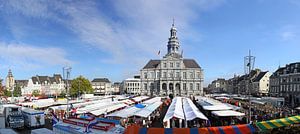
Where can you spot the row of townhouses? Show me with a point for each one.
(284, 82)
(259, 84)
(54, 85)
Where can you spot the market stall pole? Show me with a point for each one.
(66, 75)
(249, 64)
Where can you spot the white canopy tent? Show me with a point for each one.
(183, 108)
(96, 106)
(125, 113)
(217, 107)
(145, 112)
(152, 100)
(212, 105)
(140, 98)
(233, 106)
(175, 110)
(227, 113)
(108, 109)
(191, 111)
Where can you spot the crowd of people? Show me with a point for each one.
(263, 112)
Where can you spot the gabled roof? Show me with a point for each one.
(21, 82)
(190, 63)
(42, 79)
(35, 79)
(152, 64)
(259, 76)
(101, 80)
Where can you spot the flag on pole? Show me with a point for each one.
(92, 123)
(248, 64)
(158, 52)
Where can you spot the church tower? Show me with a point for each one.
(173, 43)
(10, 81)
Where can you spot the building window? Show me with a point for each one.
(177, 74)
(171, 75)
(198, 75)
(171, 65)
(184, 75)
(145, 86)
(191, 86)
(152, 75)
(198, 86)
(158, 74)
(165, 65)
(184, 86)
(177, 64)
(165, 74)
(145, 75)
(191, 75)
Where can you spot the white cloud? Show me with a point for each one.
(139, 26)
(287, 35)
(289, 32)
(31, 57)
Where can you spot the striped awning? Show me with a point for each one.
(270, 124)
(237, 129)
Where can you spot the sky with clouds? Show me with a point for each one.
(115, 39)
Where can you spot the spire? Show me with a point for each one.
(9, 73)
(173, 43)
(173, 22)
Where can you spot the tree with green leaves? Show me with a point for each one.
(1, 88)
(80, 85)
(7, 93)
(36, 93)
(17, 91)
(62, 94)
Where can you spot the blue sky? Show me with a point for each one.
(115, 39)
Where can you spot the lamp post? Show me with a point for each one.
(248, 66)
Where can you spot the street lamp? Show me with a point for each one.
(248, 67)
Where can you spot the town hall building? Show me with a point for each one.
(172, 74)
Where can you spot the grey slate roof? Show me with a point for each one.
(189, 63)
(152, 64)
(35, 80)
(101, 80)
(259, 76)
(42, 79)
(21, 83)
